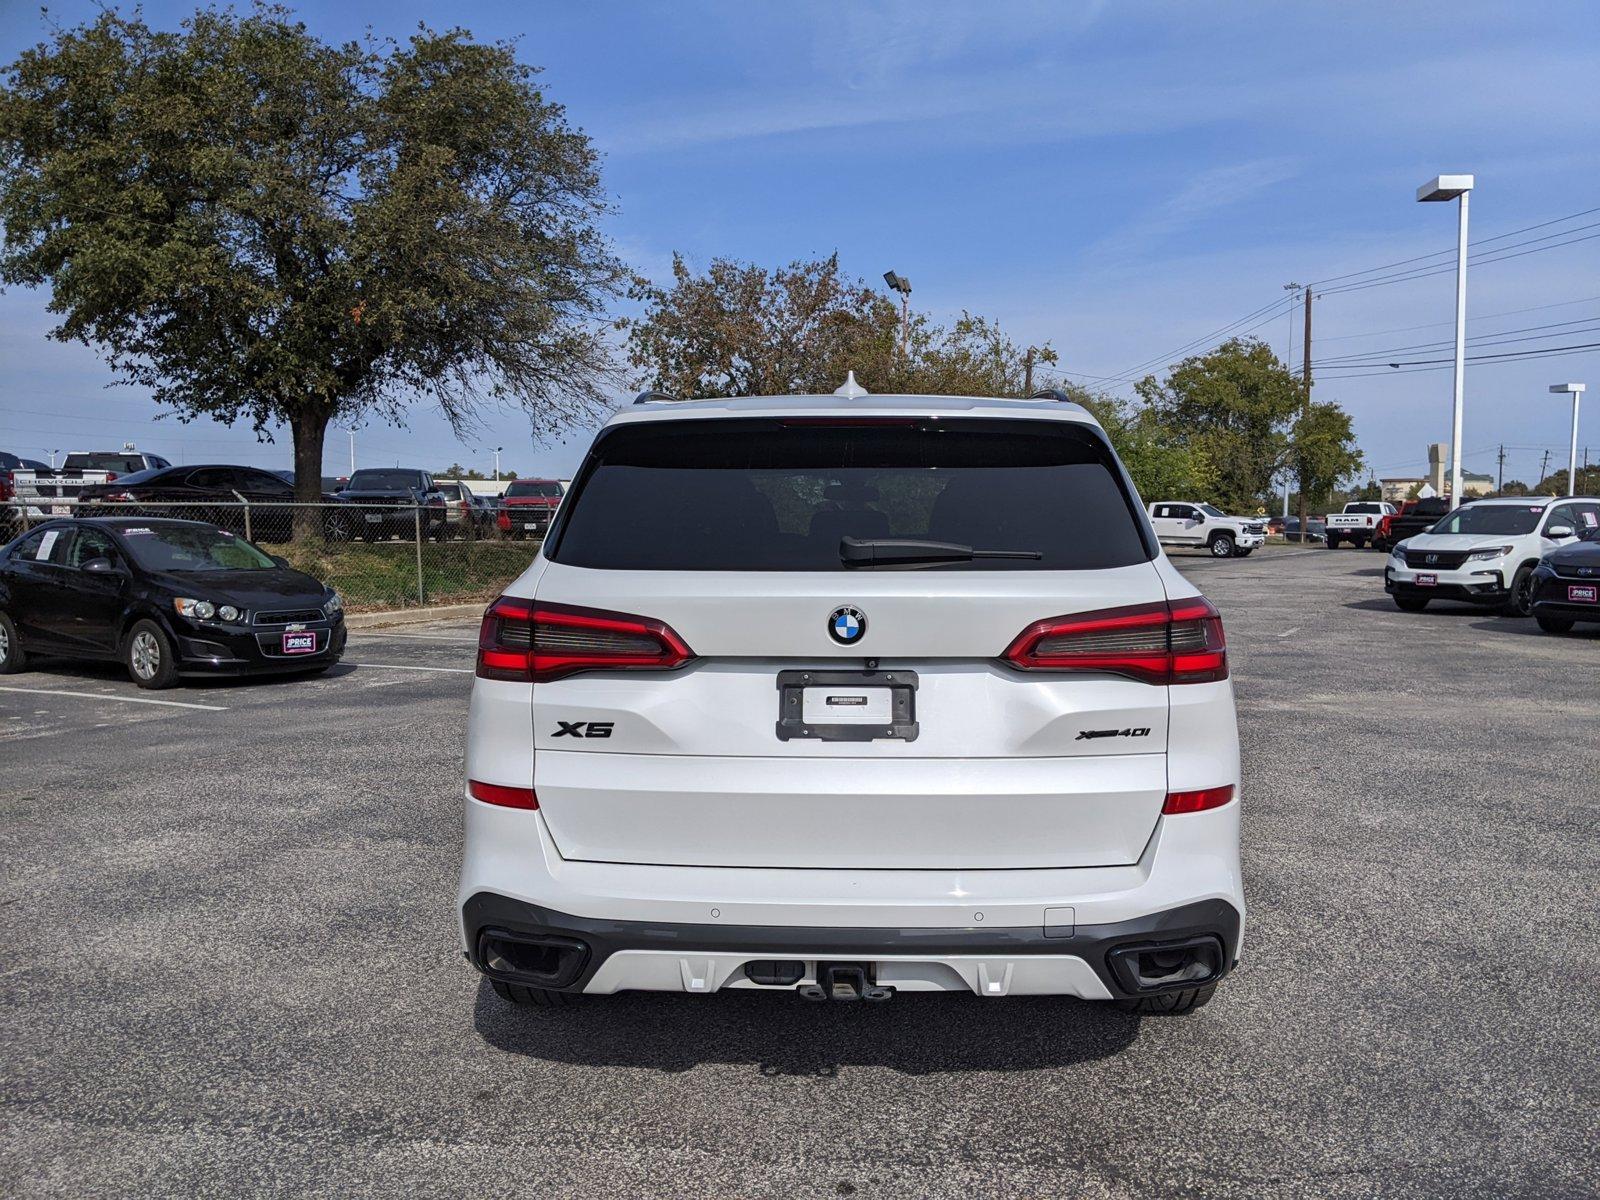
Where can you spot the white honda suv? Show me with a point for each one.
(851, 696)
(1486, 551)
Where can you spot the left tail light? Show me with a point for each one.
(1172, 641)
(535, 643)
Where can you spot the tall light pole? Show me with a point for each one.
(1572, 455)
(352, 432)
(901, 284)
(1455, 187)
(497, 450)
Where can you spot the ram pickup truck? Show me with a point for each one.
(1358, 523)
(1187, 523)
(395, 502)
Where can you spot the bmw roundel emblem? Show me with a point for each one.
(847, 625)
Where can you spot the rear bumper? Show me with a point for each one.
(692, 929)
(604, 956)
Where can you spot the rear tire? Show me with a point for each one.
(1169, 1003)
(1548, 624)
(1333, 542)
(532, 997)
(13, 657)
(149, 655)
(1221, 546)
(1411, 603)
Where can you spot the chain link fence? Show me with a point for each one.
(377, 556)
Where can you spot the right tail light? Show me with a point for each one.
(1171, 641)
(535, 642)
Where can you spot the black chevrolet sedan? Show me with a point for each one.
(1566, 585)
(166, 598)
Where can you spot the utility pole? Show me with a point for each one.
(1305, 414)
(1500, 486)
(1543, 463)
(1027, 372)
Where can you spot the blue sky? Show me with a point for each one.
(1117, 179)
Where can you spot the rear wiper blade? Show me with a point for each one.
(883, 552)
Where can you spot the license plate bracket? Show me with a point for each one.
(794, 686)
(298, 642)
(1583, 593)
(1427, 581)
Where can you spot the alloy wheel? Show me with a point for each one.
(146, 654)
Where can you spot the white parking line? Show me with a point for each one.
(1288, 631)
(118, 699)
(407, 667)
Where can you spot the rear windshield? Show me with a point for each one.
(122, 464)
(770, 495)
(535, 488)
(1363, 507)
(158, 547)
(383, 481)
(1491, 518)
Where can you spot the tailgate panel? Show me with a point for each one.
(850, 813)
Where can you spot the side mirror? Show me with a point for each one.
(1558, 531)
(1199, 518)
(101, 565)
(280, 560)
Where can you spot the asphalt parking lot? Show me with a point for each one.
(231, 962)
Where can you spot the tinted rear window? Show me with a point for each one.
(383, 481)
(534, 488)
(122, 464)
(762, 495)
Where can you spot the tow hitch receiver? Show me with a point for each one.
(844, 981)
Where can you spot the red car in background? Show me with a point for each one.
(527, 507)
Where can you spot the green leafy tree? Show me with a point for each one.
(1163, 465)
(740, 329)
(1323, 449)
(1236, 406)
(260, 226)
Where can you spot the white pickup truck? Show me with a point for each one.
(1186, 523)
(1358, 523)
(52, 493)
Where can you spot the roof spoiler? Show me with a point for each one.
(1057, 395)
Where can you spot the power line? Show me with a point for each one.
(1345, 337)
(1408, 368)
(1499, 237)
(1496, 338)
(1482, 260)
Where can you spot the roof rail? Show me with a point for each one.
(653, 397)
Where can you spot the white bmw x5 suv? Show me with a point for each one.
(846, 697)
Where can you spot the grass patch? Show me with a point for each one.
(383, 575)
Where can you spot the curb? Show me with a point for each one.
(412, 616)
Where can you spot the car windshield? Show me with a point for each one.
(1363, 507)
(121, 464)
(1212, 511)
(1491, 518)
(158, 547)
(776, 495)
(534, 487)
(383, 481)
